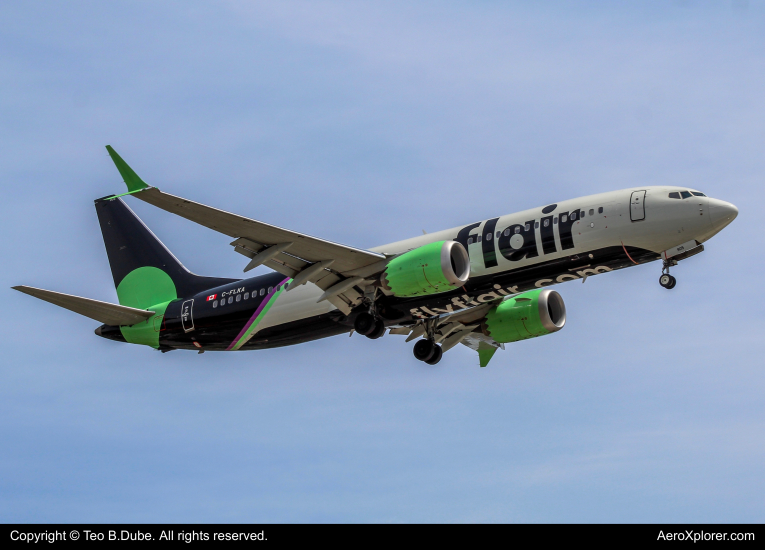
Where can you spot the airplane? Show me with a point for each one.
(483, 285)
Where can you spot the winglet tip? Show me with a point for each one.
(131, 179)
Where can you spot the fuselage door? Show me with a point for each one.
(187, 315)
(637, 206)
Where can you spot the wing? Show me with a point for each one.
(337, 269)
(104, 312)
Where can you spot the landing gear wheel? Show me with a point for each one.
(364, 324)
(667, 281)
(437, 354)
(377, 331)
(424, 350)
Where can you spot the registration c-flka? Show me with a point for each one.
(483, 285)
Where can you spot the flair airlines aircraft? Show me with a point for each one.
(482, 285)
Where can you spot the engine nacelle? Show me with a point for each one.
(430, 269)
(527, 315)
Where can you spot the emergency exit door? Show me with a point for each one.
(187, 315)
(637, 206)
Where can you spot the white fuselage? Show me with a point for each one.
(655, 223)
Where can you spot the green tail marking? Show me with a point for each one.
(133, 182)
(146, 288)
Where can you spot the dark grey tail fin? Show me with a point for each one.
(131, 245)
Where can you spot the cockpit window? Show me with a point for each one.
(697, 194)
(685, 194)
(674, 195)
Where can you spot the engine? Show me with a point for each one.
(527, 315)
(430, 269)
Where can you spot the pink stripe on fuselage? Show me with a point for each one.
(254, 316)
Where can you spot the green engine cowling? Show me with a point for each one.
(527, 315)
(430, 269)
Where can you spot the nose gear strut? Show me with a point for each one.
(666, 280)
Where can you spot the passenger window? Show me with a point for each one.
(536, 225)
(563, 218)
(573, 216)
(526, 227)
(499, 234)
(215, 303)
(478, 239)
(222, 302)
(581, 214)
(238, 297)
(555, 220)
(547, 222)
(507, 232)
(698, 194)
(517, 230)
(674, 195)
(685, 194)
(470, 241)
(488, 236)
(270, 289)
(230, 299)
(262, 291)
(592, 211)
(246, 295)
(600, 210)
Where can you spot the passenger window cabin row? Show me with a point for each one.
(527, 227)
(246, 295)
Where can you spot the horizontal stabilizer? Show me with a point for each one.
(104, 312)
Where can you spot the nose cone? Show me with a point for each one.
(721, 213)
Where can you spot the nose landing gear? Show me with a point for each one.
(666, 280)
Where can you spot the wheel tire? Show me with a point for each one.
(424, 349)
(364, 324)
(672, 283)
(665, 280)
(377, 331)
(438, 353)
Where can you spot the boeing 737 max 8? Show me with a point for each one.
(483, 285)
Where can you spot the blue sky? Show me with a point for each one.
(365, 123)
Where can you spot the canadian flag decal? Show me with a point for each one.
(211, 297)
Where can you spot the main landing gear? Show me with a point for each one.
(428, 351)
(370, 325)
(367, 325)
(666, 280)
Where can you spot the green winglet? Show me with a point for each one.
(485, 353)
(133, 182)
